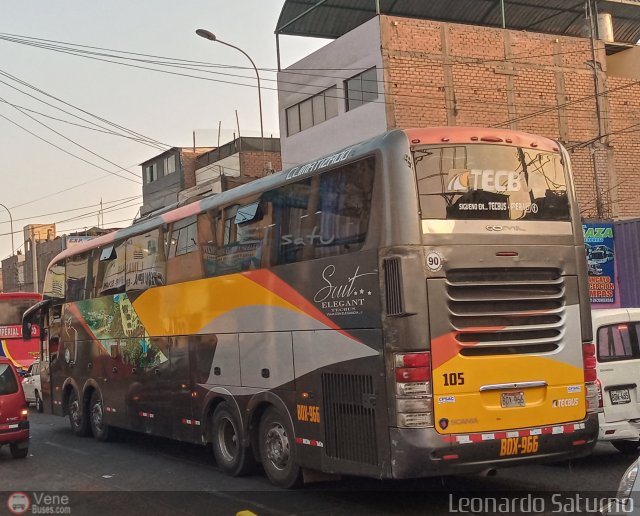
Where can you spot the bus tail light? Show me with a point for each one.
(414, 403)
(592, 385)
(589, 361)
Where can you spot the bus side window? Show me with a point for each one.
(54, 284)
(79, 278)
(246, 235)
(183, 259)
(208, 238)
(109, 264)
(326, 215)
(146, 261)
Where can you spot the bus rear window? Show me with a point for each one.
(490, 182)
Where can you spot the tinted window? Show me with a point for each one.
(78, 276)
(54, 283)
(325, 215)
(8, 382)
(618, 342)
(110, 277)
(146, 263)
(490, 182)
(246, 236)
(183, 237)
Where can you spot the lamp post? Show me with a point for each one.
(11, 226)
(203, 33)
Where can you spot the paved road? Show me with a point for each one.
(157, 476)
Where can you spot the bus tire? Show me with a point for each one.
(226, 441)
(77, 418)
(626, 447)
(39, 404)
(278, 449)
(100, 430)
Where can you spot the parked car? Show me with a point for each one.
(617, 338)
(14, 415)
(31, 386)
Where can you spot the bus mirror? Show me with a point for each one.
(26, 330)
(114, 351)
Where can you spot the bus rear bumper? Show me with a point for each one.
(424, 452)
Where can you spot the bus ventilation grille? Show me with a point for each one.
(349, 417)
(507, 311)
(392, 286)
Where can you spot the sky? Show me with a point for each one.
(40, 181)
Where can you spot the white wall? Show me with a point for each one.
(331, 65)
(229, 166)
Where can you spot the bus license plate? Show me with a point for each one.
(512, 399)
(620, 396)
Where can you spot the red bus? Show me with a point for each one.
(12, 305)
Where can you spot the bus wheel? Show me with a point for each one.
(101, 431)
(77, 417)
(277, 450)
(39, 404)
(626, 447)
(226, 435)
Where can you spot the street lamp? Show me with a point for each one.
(203, 33)
(11, 225)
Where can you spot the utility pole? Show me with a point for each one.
(34, 260)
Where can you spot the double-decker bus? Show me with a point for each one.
(20, 351)
(412, 305)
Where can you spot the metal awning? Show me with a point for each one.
(333, 18)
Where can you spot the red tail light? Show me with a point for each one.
(413, 360)
(414, 404)
(412, 374)
(592, 385)
(589, 362)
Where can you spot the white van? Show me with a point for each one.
(616, 334)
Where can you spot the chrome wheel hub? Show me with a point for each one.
(227, 440)
(277, 446)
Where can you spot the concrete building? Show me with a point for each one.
(179, 174)
(13, 273)
(235, 163)
(19, 271)
(532, 66)
(166, 174)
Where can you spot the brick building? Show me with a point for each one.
(166, 174)
(451, 63)
(179, 174)
(232, 164)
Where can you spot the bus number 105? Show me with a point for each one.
(453, 379)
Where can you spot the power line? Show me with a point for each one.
(58, 46)
(97, 128)
(68, 152)
(104, 120)
(79, 217)
(78, 53)
(70, 210)
(72, 141)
